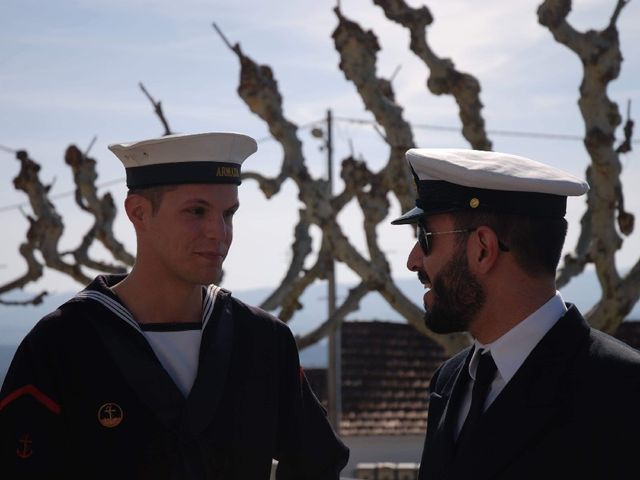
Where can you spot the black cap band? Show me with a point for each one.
(436, 196)
(184, 172)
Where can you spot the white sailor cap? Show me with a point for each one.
(213, 157)
(450, 180)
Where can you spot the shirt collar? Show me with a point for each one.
(511, 350)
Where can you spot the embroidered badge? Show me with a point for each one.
(110, 415)
(24, 450)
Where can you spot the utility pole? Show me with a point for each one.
(334, 377)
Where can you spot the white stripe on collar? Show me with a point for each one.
(116, 308)
(121, 311)
(209, 301)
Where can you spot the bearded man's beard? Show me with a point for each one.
(457, 297)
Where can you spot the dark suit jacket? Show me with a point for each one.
(572, 411)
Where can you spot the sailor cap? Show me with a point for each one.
(213, 157)
(450, 180)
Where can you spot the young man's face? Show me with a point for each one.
(189, 236)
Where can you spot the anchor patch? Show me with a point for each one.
(110, 415)
(24, 451)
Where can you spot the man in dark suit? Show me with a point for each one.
(539, 394)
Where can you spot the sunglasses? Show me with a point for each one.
(425, 243)
(423, 236)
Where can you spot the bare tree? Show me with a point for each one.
(599, 52)
(600, 236)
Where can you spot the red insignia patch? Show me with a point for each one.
(35, 393)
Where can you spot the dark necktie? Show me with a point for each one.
(485, 373)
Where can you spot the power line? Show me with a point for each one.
(7, 149)
(301, 127)
(108, 183)
(61, 195)
(358, 121)
(512, 133)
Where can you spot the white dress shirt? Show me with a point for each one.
(511, 350)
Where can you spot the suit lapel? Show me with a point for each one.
(443, 410)
(452, 409)
(528, 404)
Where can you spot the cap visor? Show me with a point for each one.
(412, 216)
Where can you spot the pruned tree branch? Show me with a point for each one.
(260, 92)
(157, 108)
(259, 89)
(269, 186)
(444, 78)
(34, 267)
(616, 13)
(358, 51)
(349, 305)
(103, 210)
(575, 263)
(290, 301)
(601, 58)
(6, 149)
(37, 300)
(91, 144)
(625, 146)
(301, 248)
(47, 227)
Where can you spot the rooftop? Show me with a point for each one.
(386, 369)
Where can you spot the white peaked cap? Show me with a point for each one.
(451, 180)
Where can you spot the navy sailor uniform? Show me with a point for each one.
(85, 396)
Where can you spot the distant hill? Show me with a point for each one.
(6, 354)
(16, 321)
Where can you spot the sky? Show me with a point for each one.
(70, 69)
